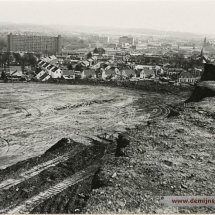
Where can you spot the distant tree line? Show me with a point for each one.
(3, 42)
(8, 58)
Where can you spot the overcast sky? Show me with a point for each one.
(187, 16)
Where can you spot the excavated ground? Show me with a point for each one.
(36, 116)
(61, 152)
(169, 157)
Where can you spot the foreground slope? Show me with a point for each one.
(102, 149)
(171, 157)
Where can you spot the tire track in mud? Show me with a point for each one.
(65, 171)
(25, 175)
(124, 114)
(160, 112)
(156, 108)
(84, 104)
(4, 185)
(27, 98)
(28, 114)
(39, 113)
(35, 170)
(28, 205)
(26, 108)
(32, 114)
(12, 117)
(118, 114)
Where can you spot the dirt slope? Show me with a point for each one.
(63, 152)
(172, 156)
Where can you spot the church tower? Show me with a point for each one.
(205, 41)
(202, 52)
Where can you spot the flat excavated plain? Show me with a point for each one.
(35, 116)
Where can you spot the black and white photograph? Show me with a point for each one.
(107, 107)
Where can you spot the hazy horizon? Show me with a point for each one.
(179, 16)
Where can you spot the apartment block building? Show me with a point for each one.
(31, 43)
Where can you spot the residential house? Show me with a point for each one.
(121, 74)
(15, 75)
(90, 73)
(55, 72)
(46, 67)
(111, 74)
(137, 67)
(101, 74)
(85, 63)
(49, 58)
(174, 73)
(129, 72)
(148, 73)
(158, 70)
(91, 62)
(139, 74)
(80, 74)
(44, 77)
(40, 74)
(197, 71)
(96, 66)
(188, 77)
(68, 74)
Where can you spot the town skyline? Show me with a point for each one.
(177, 16)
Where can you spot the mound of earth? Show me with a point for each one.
(202, 90)
(209, 72)
(59, 181)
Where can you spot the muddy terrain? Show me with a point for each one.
(94, 149)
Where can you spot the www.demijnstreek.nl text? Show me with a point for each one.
(188, 200)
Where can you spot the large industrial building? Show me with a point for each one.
(31, 43)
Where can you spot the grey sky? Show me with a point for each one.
(189, 16)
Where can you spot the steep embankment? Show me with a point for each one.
(56, 182)
(202, 90)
